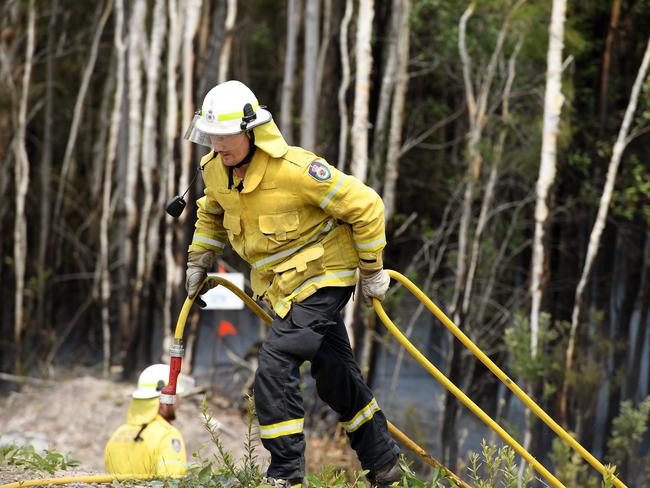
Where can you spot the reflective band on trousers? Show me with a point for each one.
(362, 416)
(287, 427)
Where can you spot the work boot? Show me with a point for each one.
(277, 483)
(384, 478)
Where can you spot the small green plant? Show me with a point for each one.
(608, 477)
(223, 471)
(569, 466)
(27, 457)
(496, 467)
(329, 477)
(628, 430)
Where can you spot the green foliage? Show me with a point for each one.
(628, 431)
(633, 194)
(27, 457)
(569, 467)
(524, 365)
(496, 467)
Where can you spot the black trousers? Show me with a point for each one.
(313, 330)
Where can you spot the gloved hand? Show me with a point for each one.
(198, 265)
(374, 284)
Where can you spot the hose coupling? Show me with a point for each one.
(167, 399)
(176, 350)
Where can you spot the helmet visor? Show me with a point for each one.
(195, 135)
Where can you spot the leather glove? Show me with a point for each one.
(374, 284)
(198, 265)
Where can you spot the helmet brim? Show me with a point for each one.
(200, 131)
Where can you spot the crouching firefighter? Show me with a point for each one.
(147, 443)
(306, 229)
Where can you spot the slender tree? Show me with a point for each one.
(289, 76)
(103, 269)
(147, 242)
(309, 113)
(226, 48)
(172, 269)
(343, 87)
(360, 123)
(621, 143)
(22, 184)
(397, 114)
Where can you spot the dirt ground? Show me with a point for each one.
(76, 417)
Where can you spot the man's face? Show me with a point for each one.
(233, 149)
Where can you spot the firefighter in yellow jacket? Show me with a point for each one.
(305, 228)
(147, 443)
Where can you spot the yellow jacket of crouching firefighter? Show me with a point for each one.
(299, 222)
(146, 444)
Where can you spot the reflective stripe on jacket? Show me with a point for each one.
(300, 223)
(157, 450)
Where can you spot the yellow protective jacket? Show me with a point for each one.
(300, 223)
(146, 444)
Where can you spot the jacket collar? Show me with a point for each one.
(255, 171)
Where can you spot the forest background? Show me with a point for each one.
(514, 171)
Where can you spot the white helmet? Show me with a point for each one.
(229, 108)
(155, 377)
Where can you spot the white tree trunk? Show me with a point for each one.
(22, 184)
(288, 81)
(103, 263)
(149, 222)
(310, 72)
(603, 208)
(553, 100)
(191, 9)
(343, 88)
(474, 160)
(359, 164)
(397, 113)
(137, 30)
(172, 269)
(226, 48)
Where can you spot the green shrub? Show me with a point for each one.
(27, 457)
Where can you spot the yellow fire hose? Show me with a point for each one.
(102, 478)
(564, 435)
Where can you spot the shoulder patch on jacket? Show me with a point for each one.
(319, 171)
(176, 445)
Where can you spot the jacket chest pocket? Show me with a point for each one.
(232, 224)
(228, 199)
(299, 268)
(281, 227)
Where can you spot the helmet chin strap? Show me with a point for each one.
(247, 159)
